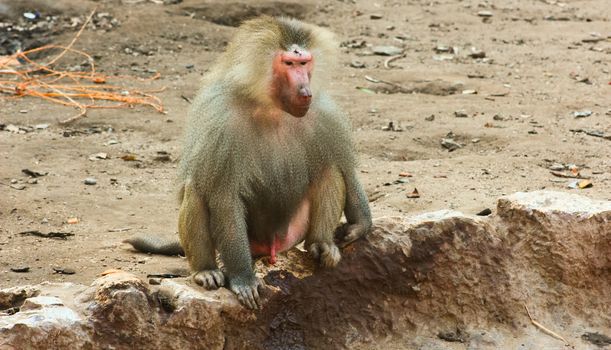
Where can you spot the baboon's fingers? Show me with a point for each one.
(219, 278)
(350, 233)
(314, 251)
(327, 253)
(209, 279)
(246, 296)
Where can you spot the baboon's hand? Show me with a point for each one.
(326, 253)
(348, 233)
(247, 292)
(209, 279)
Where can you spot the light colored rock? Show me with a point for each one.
(412, 279)
(554, 203)
(41, 302)
(42, 323)
(387, 50)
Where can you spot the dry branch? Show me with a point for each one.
(69, 88)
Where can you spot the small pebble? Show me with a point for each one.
(387, 50)
(357, 64)
(461, 114)
(484, 14)
(582, 114)
(484, 212)
(90, 181)
(20, 269)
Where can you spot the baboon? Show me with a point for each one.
(268, 160)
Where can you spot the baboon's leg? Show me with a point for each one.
(195, 238)
(327, 200)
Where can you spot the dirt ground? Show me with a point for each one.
(543, 61)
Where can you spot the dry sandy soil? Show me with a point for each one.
(544, 60)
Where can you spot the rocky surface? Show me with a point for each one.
(440, 280)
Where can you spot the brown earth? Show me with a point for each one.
(538, 55)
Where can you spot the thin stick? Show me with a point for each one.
(391, 59)
(73, 39)
(543, 328)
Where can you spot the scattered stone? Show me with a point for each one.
(90, 181)
(162, 156)
(485, 14)
(12, 128)
(392, 127)
(475, 140)
(469, 92)
(33, 181)
(593, 39)
(580, 184)
(461, 114)
(357, 64)
(64, 270)
(450, 144)
(41, 126)
(597, 339)
(354, 44)
(477, 53)
(557, 167)
(376, 16)
(498, 118)
(582, 114)
(20, 269)
(33, 173)
(387, 50)
(443, 57)
(58, 235)
(18, 187)
(444, 49)
(533, 132)
(101, 155)
(455, 336)
(484, 212)
(430, 118)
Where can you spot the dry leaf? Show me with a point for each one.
(73, 221)
(414, 194)
(584, 184)
(110, 271)
(129, 157)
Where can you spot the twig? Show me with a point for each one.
(543, 328)
(569, 176)
(391, 59)
(123, 229)
(397, 87)
(78, 34)
(44, 81)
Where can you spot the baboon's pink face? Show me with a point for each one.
(292, 71)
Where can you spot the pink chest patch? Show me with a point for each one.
(298, 226)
